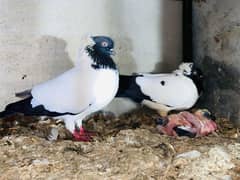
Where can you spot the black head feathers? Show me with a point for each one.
(103, 45)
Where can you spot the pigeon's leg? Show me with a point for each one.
(74, 124)
(160, 108)
(69, 122)
(80, 134)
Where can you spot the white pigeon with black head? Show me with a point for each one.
(77, 93)
(164, 92)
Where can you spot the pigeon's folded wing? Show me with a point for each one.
(23, 94)
(70, 92)
(169, 90)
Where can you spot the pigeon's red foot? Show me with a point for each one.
(83, 135)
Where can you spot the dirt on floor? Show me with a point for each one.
(127, 147)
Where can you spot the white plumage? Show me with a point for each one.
(178, 91)
(77, 88)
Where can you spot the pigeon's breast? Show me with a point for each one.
(106, 86)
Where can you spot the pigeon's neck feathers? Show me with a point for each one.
(100, 61)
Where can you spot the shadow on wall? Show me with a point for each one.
(124, 57)
(26, 61)
(51, 56)
(47, 58)
(158, 27)
(124, 49)
(170, 37)
(22, 52)
(221, 89)
(124, 45)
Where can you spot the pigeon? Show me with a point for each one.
(77, 93)
(178, 90)
(197, 124)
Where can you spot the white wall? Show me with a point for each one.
(40, 38)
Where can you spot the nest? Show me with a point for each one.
(125, 147)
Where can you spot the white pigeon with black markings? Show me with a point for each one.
(82, 90)
(164, 92)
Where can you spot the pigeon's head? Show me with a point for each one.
(197, 76)
(103, 45)
(185, 68)
(189, 69)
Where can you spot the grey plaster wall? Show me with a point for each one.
(217, 52)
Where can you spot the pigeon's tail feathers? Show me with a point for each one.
(21, 106)
(25, 107)
(2, 114)
(5, 113)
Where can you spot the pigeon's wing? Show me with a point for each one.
(170, 90)
(70, 92)
(23, 94)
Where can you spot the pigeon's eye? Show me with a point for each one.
(104, 44)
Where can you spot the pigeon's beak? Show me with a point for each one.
(112, 52)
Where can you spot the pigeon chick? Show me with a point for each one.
(178, 90)
(199, 123)
(77, 93)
